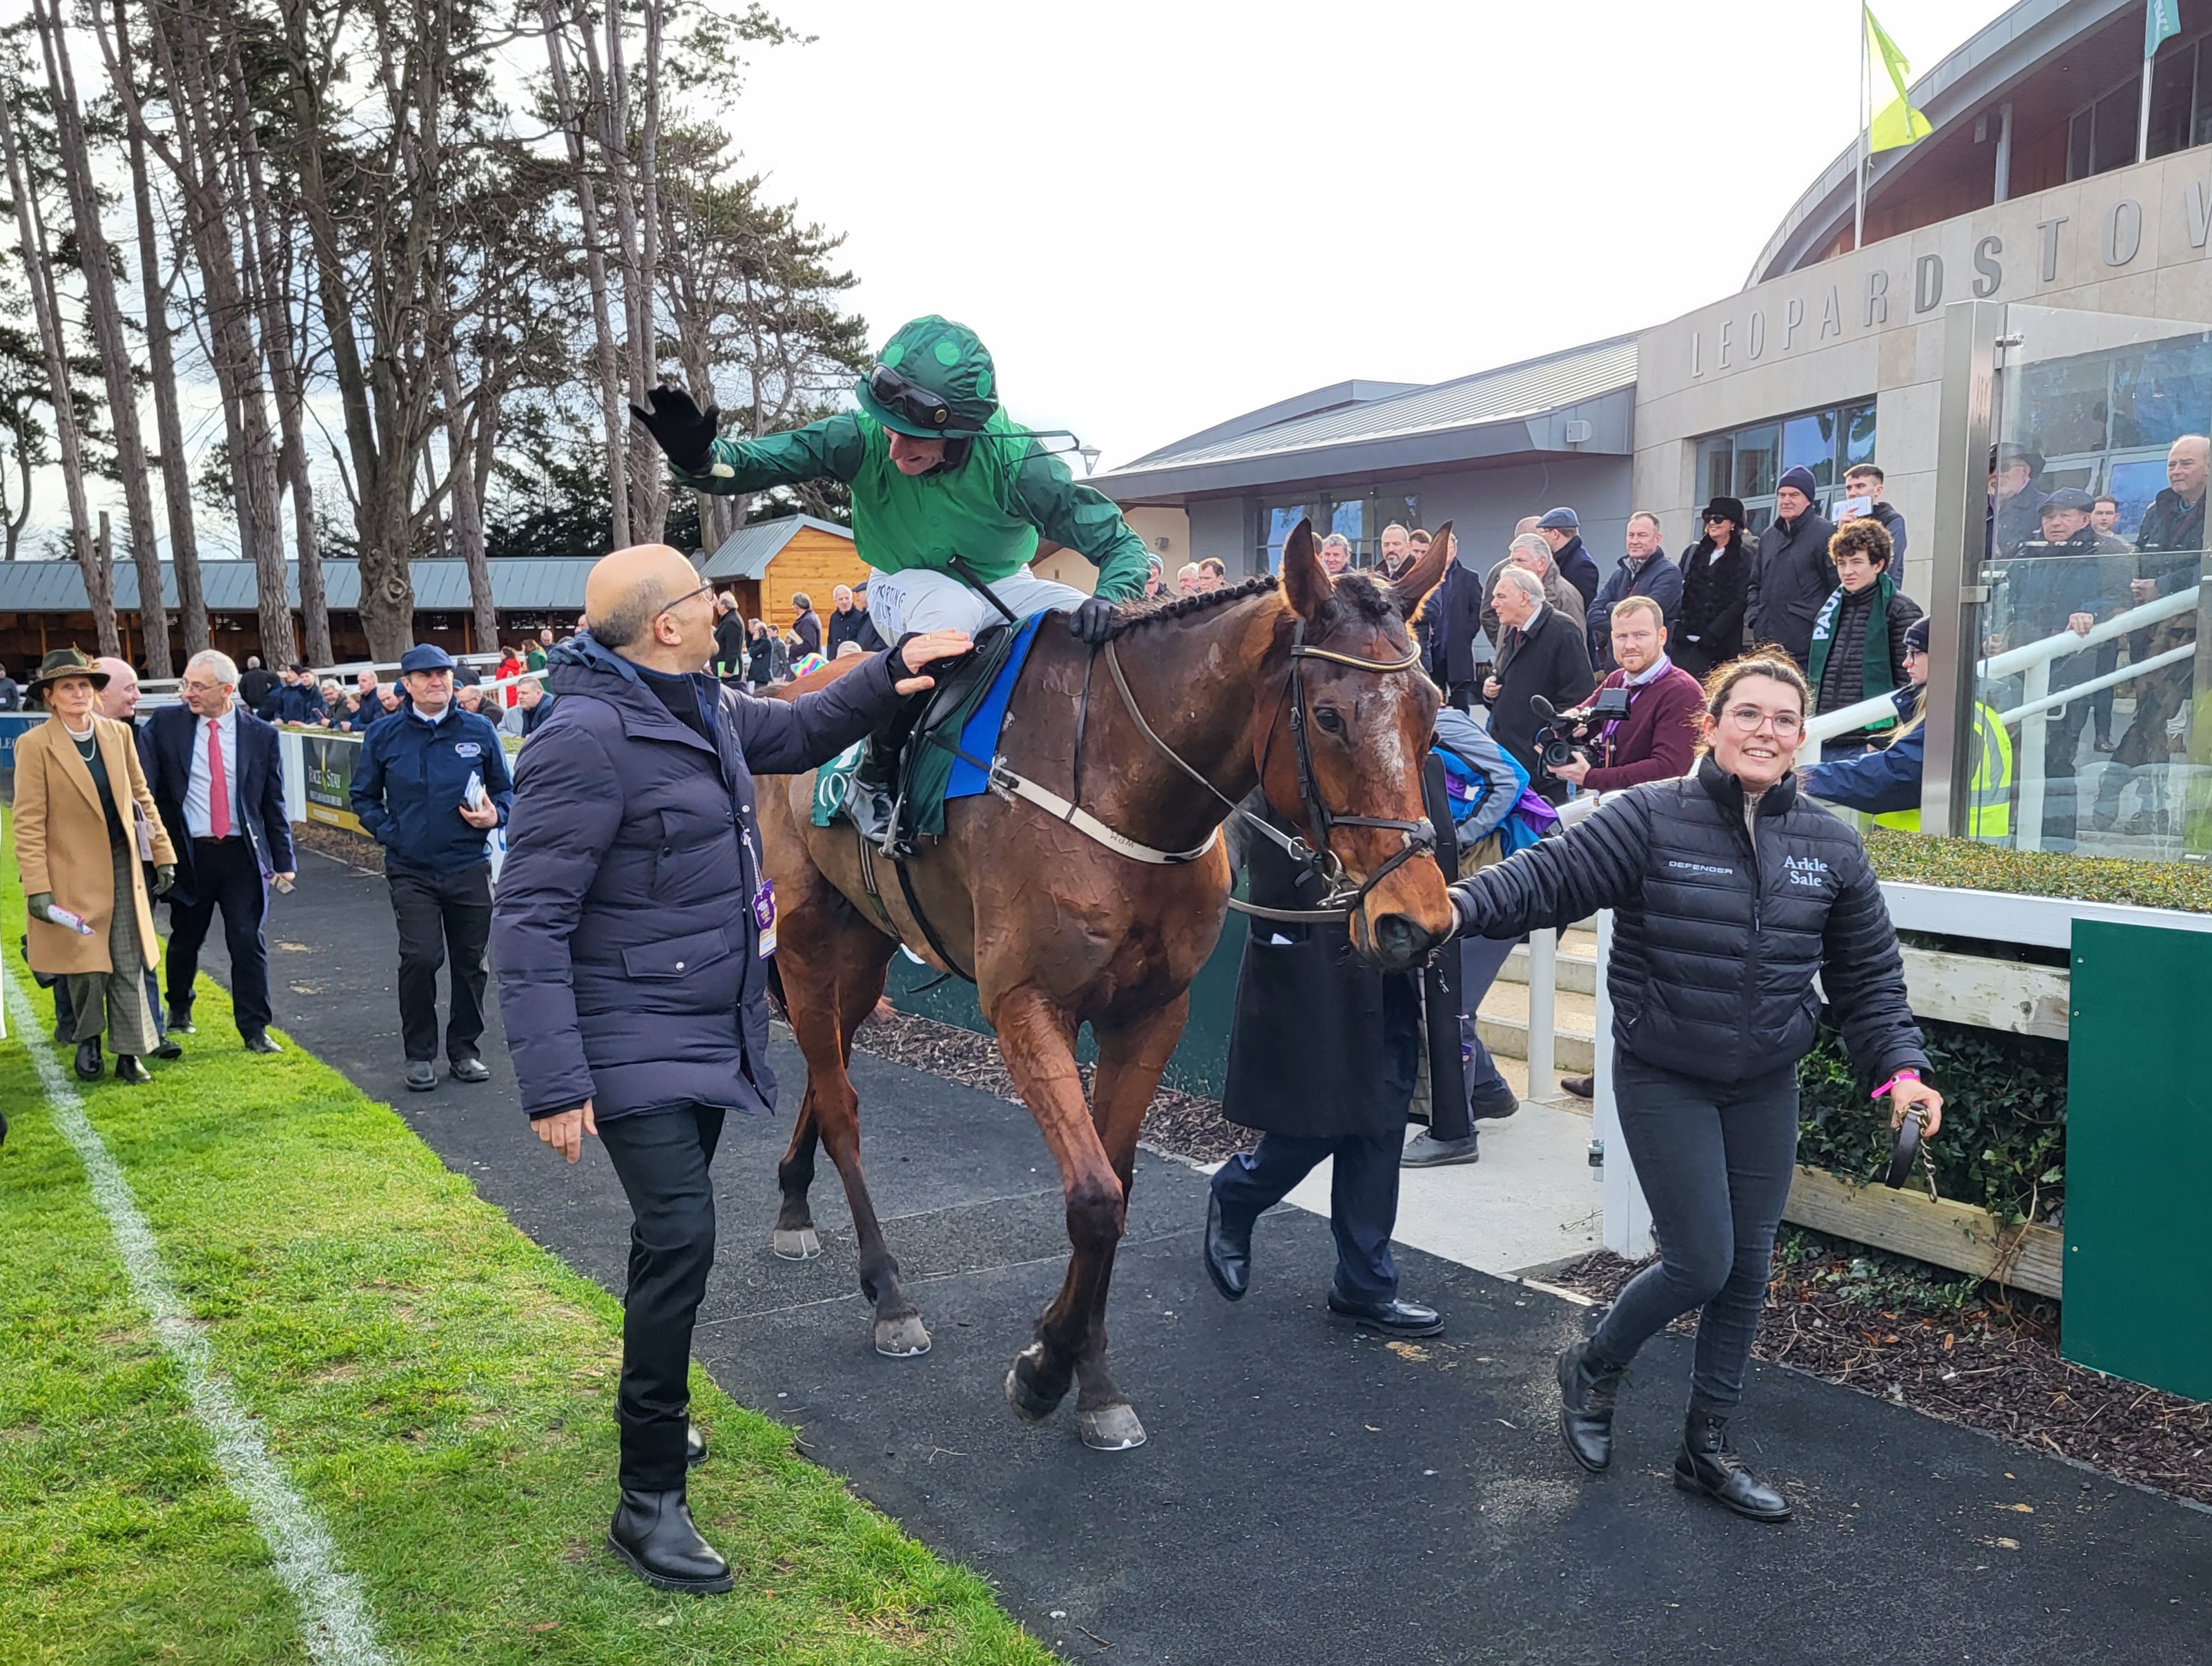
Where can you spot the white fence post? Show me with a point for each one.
(295, 759)
(1543, 986)
(1627, 1216)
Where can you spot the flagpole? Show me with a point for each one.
(1858, 212)
(2143, 127)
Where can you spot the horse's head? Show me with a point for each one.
(1368, 715)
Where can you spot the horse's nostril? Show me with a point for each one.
(1397, 936)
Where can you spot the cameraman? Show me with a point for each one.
(1540, 653)
(1658, 737)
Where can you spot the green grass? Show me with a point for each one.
(439, 1388)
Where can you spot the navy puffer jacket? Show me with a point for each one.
(1715, 944)
(629, 967)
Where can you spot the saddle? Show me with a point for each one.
(893, 787)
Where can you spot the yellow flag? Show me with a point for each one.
(1896, 122)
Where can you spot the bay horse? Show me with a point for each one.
(1309, 689)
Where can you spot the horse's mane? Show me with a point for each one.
(1355, 597)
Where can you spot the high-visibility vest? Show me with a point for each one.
(1989, 808)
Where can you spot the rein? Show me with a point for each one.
(1339, 901)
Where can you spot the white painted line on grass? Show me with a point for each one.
(333, 1615)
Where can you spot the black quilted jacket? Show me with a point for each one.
(1714, 947)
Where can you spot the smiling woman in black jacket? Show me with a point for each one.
(1730, 892)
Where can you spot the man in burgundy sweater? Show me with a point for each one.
(1658, 739)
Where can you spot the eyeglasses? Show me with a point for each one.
(687, 596)
(909, 400)
(1749, 719)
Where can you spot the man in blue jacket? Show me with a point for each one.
(635, 924)
(1562, 529)
(1643, 571)
(430, 785)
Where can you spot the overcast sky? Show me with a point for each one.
(1161, 214)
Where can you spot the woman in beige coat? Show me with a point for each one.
(84, 823)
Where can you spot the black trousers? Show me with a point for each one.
(226, 875)
(440, 919)
(1363, 1198)
(662, 1157)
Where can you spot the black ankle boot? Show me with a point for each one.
(88, 1060)
(653, 1532)
(128, 1069)
(1708, 1465)
(1586, 1397)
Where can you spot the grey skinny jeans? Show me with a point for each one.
(1714, 1159)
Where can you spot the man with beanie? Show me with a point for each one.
(1793, 577)
(1561, 529)
(1858, 640)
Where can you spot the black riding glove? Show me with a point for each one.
(679, 428)
(1093, 621)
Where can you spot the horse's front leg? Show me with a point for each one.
(1036, 1039)
(1131, 1056)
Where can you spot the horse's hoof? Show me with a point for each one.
(902, 1339)
(1111, 1428)
(803, 1244)
(1027, 1407)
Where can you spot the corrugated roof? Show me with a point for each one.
(746, 553)
(1515, 391)
(553, 584)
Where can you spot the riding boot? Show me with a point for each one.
(873, 796)
(1587, 1389)
(1708, 1464)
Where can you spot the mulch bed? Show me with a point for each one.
(1981, 1357)
(352, 849)
(1179, 1124)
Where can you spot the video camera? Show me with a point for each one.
(1568, 734)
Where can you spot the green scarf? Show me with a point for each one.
(1876, 675)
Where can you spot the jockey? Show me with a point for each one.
(939, 474)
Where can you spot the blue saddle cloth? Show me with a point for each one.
(979, 735)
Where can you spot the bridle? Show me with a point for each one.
(1341, 898)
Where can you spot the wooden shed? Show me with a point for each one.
(764, 564)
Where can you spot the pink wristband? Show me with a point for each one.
(1907, 1074)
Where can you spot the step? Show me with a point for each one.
(1569, 972)
(1503, 1024)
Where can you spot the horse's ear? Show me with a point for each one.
(1426, 573)
(1303, 581)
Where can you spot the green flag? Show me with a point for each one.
(2162, 21)
(1896, 122)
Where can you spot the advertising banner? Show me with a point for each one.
(330, 759)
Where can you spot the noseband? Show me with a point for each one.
(1340, 897)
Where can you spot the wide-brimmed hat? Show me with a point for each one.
(1730, 507)
(65, 662)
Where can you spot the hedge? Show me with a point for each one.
(1963, 864)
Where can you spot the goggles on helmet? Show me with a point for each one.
(907, 399)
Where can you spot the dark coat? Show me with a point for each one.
(843, 628)
(731, 638)
(1791, 578)
(1893, 524)
(1715, 941)
(410, 779)
(1579, 568)
(1323, 1044)
(1552, 660)
(807, 629)
(11, 698)
(1657, 578)
(1708, 631)
(2169, 525)
(292, 702)
(629, 953)
(1451, 618)
(1843, 678)
(166, 740)
(254, 687)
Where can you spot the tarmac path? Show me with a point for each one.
(1309, 1494)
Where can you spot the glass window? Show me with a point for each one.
(1716, 468)
(2118, 111)
(2173, 99)
(1858, 433)
(1809, 442)
(1349, 518)
(2066, 403)
(2160, 395)
(1755, 449)
(2135, 481)
(1277, 520)
(2077, 144)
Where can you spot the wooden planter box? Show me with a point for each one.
(1958, 1236)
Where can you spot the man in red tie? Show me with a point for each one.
(219, 783)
